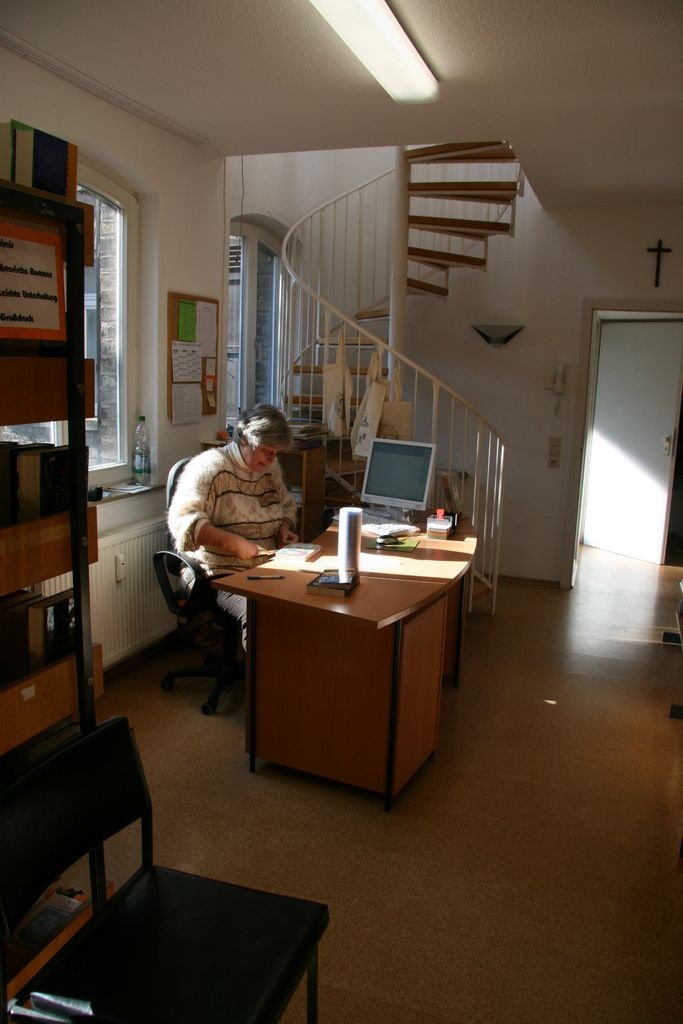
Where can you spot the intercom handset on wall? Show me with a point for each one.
(560, 378)
(556, 379)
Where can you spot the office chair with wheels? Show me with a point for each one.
(168, 946)
(188, 593)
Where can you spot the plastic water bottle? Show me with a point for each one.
(142, 458)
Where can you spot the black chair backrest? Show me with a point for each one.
(173, 478)
(183, 599)
(77, 797)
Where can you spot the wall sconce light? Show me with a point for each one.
(497, 335)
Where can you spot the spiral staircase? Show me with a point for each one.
(349, 269)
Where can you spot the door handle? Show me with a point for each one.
(668, 444)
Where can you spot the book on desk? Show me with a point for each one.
(298, 549)
(334, 581)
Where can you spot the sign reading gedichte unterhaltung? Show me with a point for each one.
(31, 284)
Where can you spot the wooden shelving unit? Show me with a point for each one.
(40, 549)
(41, 382)
(304, 471)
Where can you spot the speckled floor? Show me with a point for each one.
(530, 871)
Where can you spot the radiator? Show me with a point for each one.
(127, 608)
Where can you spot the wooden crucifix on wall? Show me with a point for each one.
(660, 250)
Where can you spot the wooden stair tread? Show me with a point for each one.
(299, 370)
(488, 198)
(333, 342)
(459, 226)
(470, 190)
(376, 313)
(436, 258)
(311, 400)
(418, 287)
(483, 152)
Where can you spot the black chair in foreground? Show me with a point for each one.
(168, 947)
(188, 593)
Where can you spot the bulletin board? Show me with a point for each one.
(192, 357)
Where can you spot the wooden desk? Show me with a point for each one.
(447, 561)
(349, 687)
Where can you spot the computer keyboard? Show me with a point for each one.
(374, 517)
(376, 523)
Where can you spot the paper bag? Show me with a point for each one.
(369, 412)
(397, 415)
(337, 390)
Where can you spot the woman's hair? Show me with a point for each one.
(263, 425)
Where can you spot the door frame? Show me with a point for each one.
(594, 311)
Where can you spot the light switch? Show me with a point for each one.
(554, 451)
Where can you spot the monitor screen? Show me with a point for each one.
(398, 473)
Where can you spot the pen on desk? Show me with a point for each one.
(266, 577)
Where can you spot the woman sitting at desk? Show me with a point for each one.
(231, 508)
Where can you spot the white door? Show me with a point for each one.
(637, 406)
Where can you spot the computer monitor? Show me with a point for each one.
(398, 474)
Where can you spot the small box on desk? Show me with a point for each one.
(440, 527)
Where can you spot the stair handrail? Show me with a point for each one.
(483, 478)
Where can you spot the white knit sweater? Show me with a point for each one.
(217, 487)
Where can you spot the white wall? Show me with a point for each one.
(559, 264)
(286, 186)
(180, 189)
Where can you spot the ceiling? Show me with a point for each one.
(588, 92)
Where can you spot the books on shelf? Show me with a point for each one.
(35, 631)
(41, 481)
(32, 157)
(47, 917)
(300, 550)
(44, 161)
(306, 434)
(6, 150)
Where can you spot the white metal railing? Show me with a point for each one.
(336, 264)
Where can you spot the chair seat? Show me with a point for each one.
(174, 947)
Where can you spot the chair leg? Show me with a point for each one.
(211, 702)
(312, 989)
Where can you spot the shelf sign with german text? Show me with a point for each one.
(31, 284)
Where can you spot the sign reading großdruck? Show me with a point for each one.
(31, 284)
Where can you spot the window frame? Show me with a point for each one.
(252, 235)
(109, 188)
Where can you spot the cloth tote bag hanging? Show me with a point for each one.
(369, 412)
(397, 415)
(337, 390)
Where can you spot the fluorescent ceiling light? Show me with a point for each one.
(372, 32)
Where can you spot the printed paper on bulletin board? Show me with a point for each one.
(192, 349)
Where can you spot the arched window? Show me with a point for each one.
(254, 313)
(108, 317)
